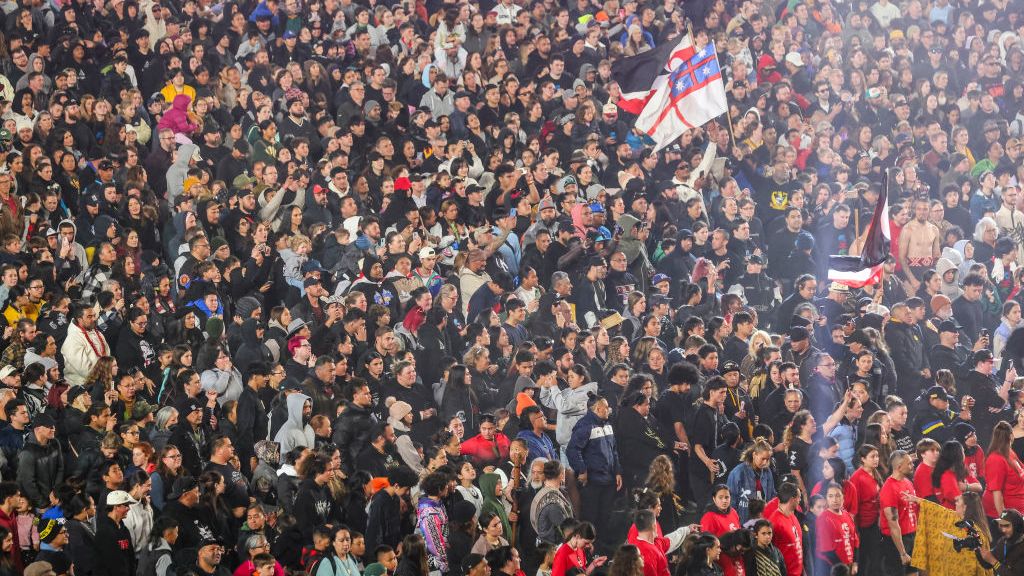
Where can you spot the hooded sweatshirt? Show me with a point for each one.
(633, 247)
(571, 406)
(949, 260)
(295, 431)
(176, 119)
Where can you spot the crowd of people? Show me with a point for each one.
(395, 288)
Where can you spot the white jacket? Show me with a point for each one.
(79, 355)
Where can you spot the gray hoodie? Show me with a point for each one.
(178, 171)
(949, 260)
(571, 406)
(295, 432)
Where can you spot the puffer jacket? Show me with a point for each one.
(592, 450)
(176, 119)
(351, 433)
(906, 343)
(40, 470)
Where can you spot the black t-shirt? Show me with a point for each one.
(799, 456)
(673, 407)
(236, 487)
(705, 432)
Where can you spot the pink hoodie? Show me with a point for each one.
(176, 119)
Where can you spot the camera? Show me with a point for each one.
(972, 541)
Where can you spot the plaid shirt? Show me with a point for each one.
(93, 280)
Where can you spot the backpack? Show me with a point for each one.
(313, 568)
(148, 561)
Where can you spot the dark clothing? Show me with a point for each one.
(114, 546)
(986, 398)
(314, 506)
(384, 521)
(639, 444)
(970, 316)
(40, 470)
(352, 433)
(906, 343)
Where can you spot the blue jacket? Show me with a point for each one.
(742, 483)
(592, 450)
(845, 434)
(538, 447)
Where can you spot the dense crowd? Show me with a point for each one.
(337, 288)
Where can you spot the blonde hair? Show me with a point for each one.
(298, 240)
(473, 354)
(759, 339)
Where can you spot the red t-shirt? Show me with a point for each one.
(788, 538)
(923, 482)
(949, 489)
(867, 498)
(1005, 477)
(975, 464)
(655, 562)
(659, 538)
(718, 524)
(836, 533)
(566, 558)
(850, 499)
(891, 496)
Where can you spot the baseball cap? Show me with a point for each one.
(427, 252)
(660, 299)
(659, 278)
(118, 497)
(43, 420)
(938, 393)
(730, 367)
(182, 485)
(948, 326)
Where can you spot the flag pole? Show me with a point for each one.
(728, 116)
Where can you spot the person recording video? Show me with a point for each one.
(1007, 553)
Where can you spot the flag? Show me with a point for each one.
(933, 546)
(692, 95)
(639, 76)
(866, 269)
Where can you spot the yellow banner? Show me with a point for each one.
(933, 550)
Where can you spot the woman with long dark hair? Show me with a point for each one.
(572, 553)
(459, 400)
(950, 475)
(833, 470)
(764, 558)
(1004, 474)
(7, 553)
(212, 508)
(798, 436)
(414, 557)
(701, 556)
(867, 481)
(721, 518)
(627, 562)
